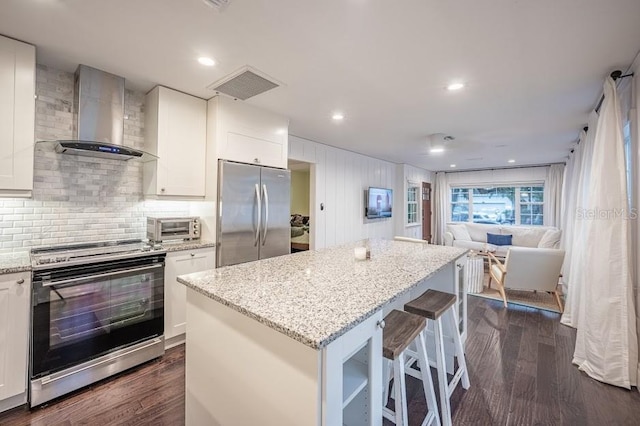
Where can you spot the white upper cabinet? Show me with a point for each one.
(176, 132)
(17, 117)
(244, 133)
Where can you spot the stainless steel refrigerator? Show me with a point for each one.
(253, 213)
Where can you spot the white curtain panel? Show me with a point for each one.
(553, 195)
(573, 272)
(606, 340)
(569, 184)
(441, 199)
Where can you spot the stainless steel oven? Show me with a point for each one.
(93, 316)
(172, 228)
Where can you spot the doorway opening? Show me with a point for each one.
(426, 211)
(301, 220)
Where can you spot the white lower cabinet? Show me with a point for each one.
(15, 292)
(175, 294)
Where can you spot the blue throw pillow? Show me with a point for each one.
(499, 240)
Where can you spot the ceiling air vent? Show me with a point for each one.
(217, 4)
(243, 84)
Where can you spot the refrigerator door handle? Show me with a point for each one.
(266, 213)
(257, 240)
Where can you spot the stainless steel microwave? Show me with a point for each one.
(173, 228)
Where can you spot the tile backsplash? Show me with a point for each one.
(79, 199)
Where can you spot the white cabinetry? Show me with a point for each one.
(17, 117)
(461, 296)
(15, 292)
(176, 129)
(244, 133)
(175, 294)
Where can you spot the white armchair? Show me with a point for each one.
(527, 268)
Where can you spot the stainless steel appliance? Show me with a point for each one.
(98, 118)
(172, 228)
(253, 213)
(97, 310)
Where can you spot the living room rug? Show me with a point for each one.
(539, 300)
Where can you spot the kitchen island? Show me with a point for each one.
(297, 339)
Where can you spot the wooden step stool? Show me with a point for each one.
(438, 306)
(400, 330)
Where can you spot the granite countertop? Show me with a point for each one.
(15, 262)
(316, 296)
(187, 245)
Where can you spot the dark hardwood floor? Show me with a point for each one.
(519, 363)
(151, 394)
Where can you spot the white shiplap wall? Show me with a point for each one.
(405, 174)
(339, 179)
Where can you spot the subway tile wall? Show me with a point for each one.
(79, 199)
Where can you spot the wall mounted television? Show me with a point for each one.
(379, 203)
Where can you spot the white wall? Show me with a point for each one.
(339, 180)
(300, 192)
(405, 174)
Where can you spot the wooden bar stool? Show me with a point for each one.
(401, 329)
(438, 306)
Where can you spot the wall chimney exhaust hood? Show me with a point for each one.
(98, 118)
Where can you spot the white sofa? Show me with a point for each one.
(473, 236)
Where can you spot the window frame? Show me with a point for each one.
(517, 200)
(417, 187)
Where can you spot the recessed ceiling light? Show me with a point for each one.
(217, 4)
(453, 166)
(338, 116)
(511, 161)
(436, 150)
(206, 61)
(455, 86)
(281, 131)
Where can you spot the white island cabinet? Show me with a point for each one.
(17, 117)
(15, 294)
(175, 294)
(297, 339)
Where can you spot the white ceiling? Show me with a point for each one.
(534, 69)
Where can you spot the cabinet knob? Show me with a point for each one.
(381, 324)
(193, 254)
(256, 160)
(459, 266)
(20, 281)
(161, 189)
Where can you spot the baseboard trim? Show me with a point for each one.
(175, 341)
(13, 402)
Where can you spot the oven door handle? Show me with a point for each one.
(94, 276)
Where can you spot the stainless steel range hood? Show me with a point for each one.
(98, 118)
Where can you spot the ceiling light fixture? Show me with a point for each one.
(217, 4)
(453, 166)
(206, 61)
(338, 116)
(455, 86)
(511, 161)
(437, 142)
